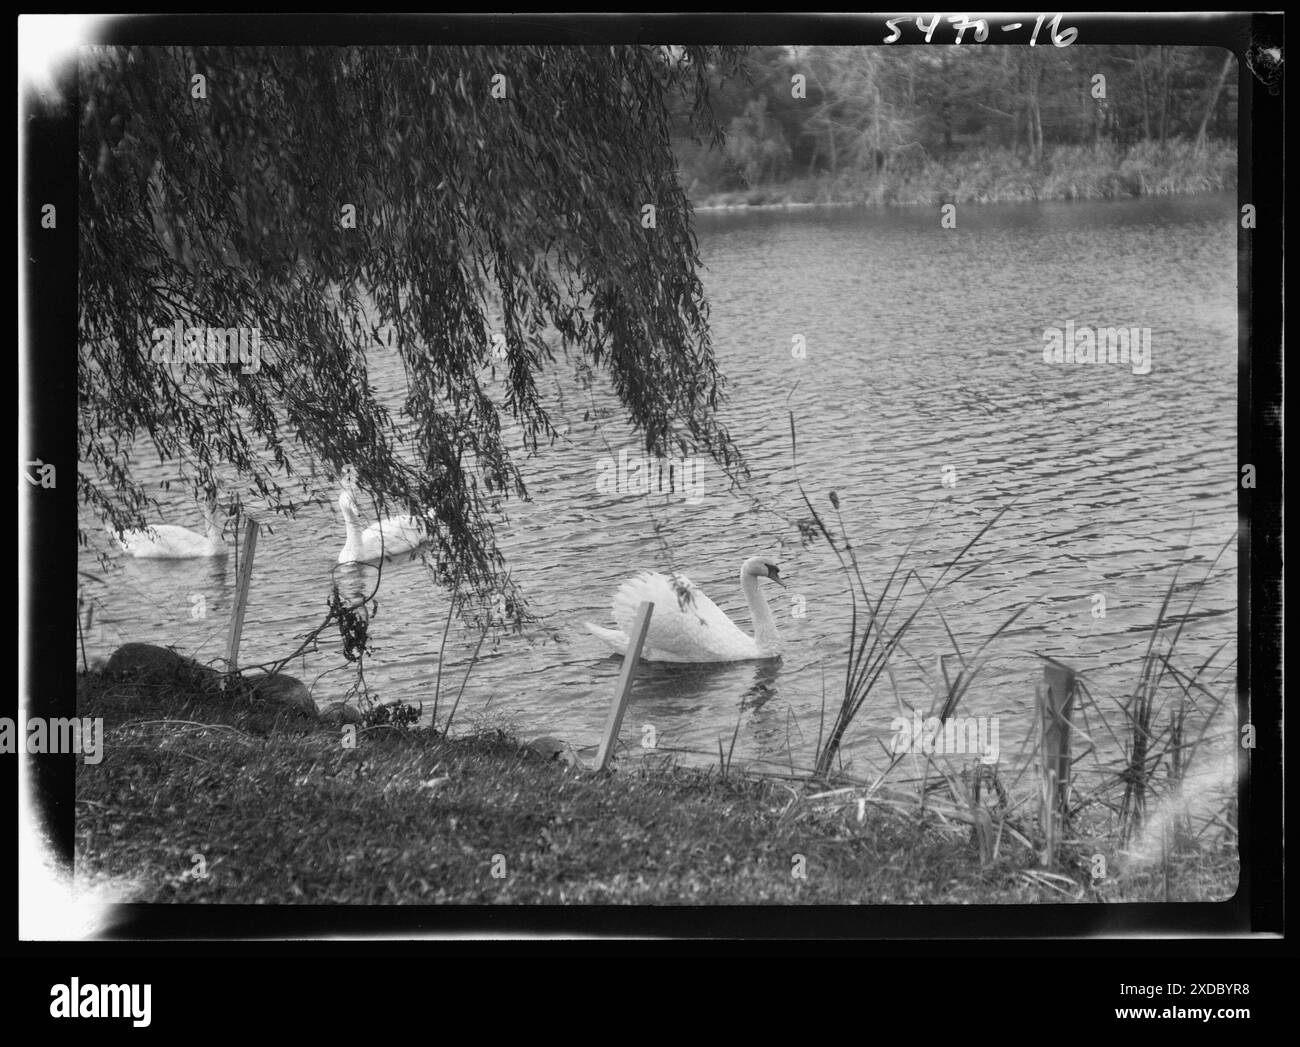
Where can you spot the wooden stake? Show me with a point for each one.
(241, 596)
(624, 690)
(1055, 706)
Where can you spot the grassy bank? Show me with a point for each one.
(1003, 176)
(281, 810)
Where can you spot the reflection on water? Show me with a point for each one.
(922, 398)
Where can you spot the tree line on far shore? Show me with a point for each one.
(884, 122)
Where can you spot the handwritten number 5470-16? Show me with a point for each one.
(1061, 38)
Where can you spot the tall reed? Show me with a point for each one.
(1147, 747)
(878, 626)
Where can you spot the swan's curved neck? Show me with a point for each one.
(209, 518)
(352, 522)
(765, 634)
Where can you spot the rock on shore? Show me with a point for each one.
(148, 663)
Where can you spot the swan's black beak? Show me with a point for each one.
(774, 573)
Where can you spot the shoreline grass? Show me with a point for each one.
(278, 809)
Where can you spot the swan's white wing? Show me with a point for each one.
(686, 625)
(613, 638)
(164, 541)
(399, 534)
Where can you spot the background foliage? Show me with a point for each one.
(517, 216)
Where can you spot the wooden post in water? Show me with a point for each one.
(1055, 706)
(241, 596)
(624, 690)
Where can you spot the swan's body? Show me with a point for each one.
(687, 626)
(170, 542)
(393, 537)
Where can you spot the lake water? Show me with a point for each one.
(923, 399)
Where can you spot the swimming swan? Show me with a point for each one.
(170, 542)
(687, 626)
(393, 537)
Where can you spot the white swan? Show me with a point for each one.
(390, 538)
(170, 542)
(687, 626)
